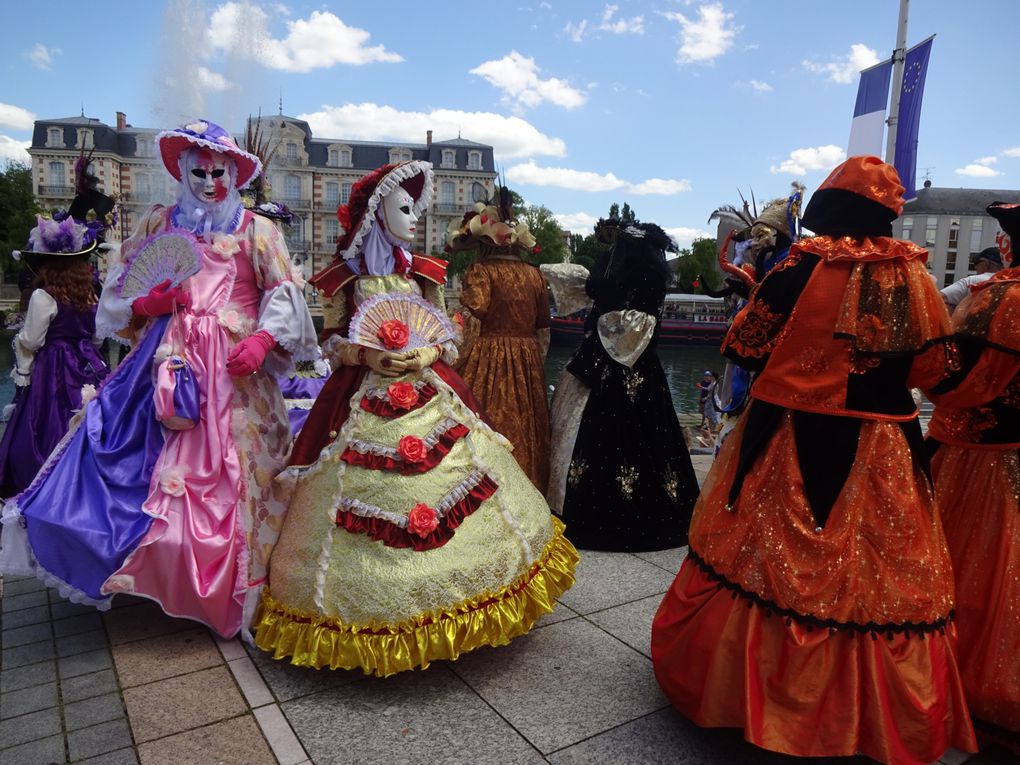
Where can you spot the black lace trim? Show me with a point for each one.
(889, 629)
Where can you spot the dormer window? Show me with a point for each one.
(292, 152)
(334, 158)
(345, 158)
(85, 140)
(399, 155)
(449, 158)
(55, 138)
(143, 146)
(474, 160)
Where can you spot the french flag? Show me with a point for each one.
(868, 128)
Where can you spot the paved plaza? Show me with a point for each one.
(135, 686)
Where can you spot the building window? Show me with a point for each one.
(474, 160)
(143, 146)
(399, 155)
(332, 231)
(345, 157)
(975, 235)
(85, 139)
(930, 230)
(950, 278)
(332, 194)
(447, 193)
(477, 192)
(449, 158)
(908, 227)
(55, 138)
(345, 192)
(950, 261)
(291, 187)
(334, 158)
(143, 191)
(292, 152)
(57, 177)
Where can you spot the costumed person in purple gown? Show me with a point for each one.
(56, 360)
(165, 487)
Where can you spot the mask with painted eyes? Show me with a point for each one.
(209, 176)
(399, 215)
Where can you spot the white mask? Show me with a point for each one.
(399, 215)
(209, 179)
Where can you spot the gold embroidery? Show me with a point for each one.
(813, 361)
(755, 331)
(576, 472)
(627, 477)
(632, 383)
(671, 484)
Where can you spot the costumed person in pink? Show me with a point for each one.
(166, 490)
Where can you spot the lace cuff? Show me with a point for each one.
(113, 312)
(284, 315)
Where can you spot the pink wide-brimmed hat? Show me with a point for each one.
(208, 135)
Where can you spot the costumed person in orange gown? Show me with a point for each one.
(507, 298)
(974, 437)
(814, 609)
(413, 535)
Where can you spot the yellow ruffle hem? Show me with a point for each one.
(490, 618)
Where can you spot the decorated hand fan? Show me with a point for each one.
(172, 255)
(399, 322)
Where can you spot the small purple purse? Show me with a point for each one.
(177, 395)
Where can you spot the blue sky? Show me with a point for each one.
(669, 105)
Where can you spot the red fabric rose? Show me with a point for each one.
(394, 334)
(412, 449)
(422, 520)
(402, 395)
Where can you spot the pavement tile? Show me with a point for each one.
(560, 613)
(145, 661)
(26, 616)
(954, 757)
(99, 709)
(124, 600)
(21, 586)
(12, 679)
(238, 740)
(17, 602)
(44, 751)
(277, 731)
(20, 730)
(120, 757)
(575, 661)
(78, 624)
(231, 649)
(33, 633)
(62, 609)
(287, 681)
(631, 622)
(181, 703)
(87, 686)
(140, 621)
(28, 700)
(82, 643)
(612, 579)
(27, 654)
(254, 688)
(85, 663)
(99, 739)
(669, 560)
(431, 716)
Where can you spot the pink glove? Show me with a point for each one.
(248, 355)
(161, 300)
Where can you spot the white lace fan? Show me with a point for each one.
(172, 255)
(425, 323)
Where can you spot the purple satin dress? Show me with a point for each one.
(67, 361)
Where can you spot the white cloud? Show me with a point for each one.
(684, 235)
(318, 42)
(576, 31)
(15, 117)
(977, 171)
(817, 158)
(705, 38)
(577, 223)
(583, 180)
(510, 136)
(845, 69)
(517, 76)
(609, 22)
(1014, 152)
(12, 149)
(41, 56)
(986, 160)
(760, 86)
(212, 80)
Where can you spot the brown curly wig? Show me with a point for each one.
(67, 280)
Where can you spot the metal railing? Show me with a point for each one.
(56, 191)
(297, 204)
(449, 209)
(298, 245)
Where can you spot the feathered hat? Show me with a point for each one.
(783, 215)
(861, 197)
(207, 135)
(491, 228)
(358, 216)
(1008, 215)
(61, 236)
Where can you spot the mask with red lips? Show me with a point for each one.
(210, 179)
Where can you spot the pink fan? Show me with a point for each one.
(172, 255)
(399, 322)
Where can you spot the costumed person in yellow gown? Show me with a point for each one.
(506, 298)
(814, 609)
(974, 437)
(413, 534)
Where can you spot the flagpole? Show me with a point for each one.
(897, 82)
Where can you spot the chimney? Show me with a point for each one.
(121, 120)
(428, 138)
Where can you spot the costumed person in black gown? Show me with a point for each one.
(621, 474)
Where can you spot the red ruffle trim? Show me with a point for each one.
(383, 408)
(432, 458)
(392, 535)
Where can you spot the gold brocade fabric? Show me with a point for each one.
(881, 557)
(504, 366)
(489, 618)
(979, 492)
(992, 312)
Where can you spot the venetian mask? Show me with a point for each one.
(762, 236)
(209, 177)
(399, 214)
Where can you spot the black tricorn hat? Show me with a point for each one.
(1008, 215)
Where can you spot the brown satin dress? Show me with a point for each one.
(504, 366)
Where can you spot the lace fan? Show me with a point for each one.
(172, 255)
(426, 325)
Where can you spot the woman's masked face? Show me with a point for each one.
(209, 179)
(399, 215)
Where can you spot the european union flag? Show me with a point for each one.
(915, 67)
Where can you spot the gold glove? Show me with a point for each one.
(385, 363)
(420, 358)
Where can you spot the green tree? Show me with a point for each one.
(548, 234)
(626, 214)
(693, 263)
(585, 250)
(17, 213)
(614, 210)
